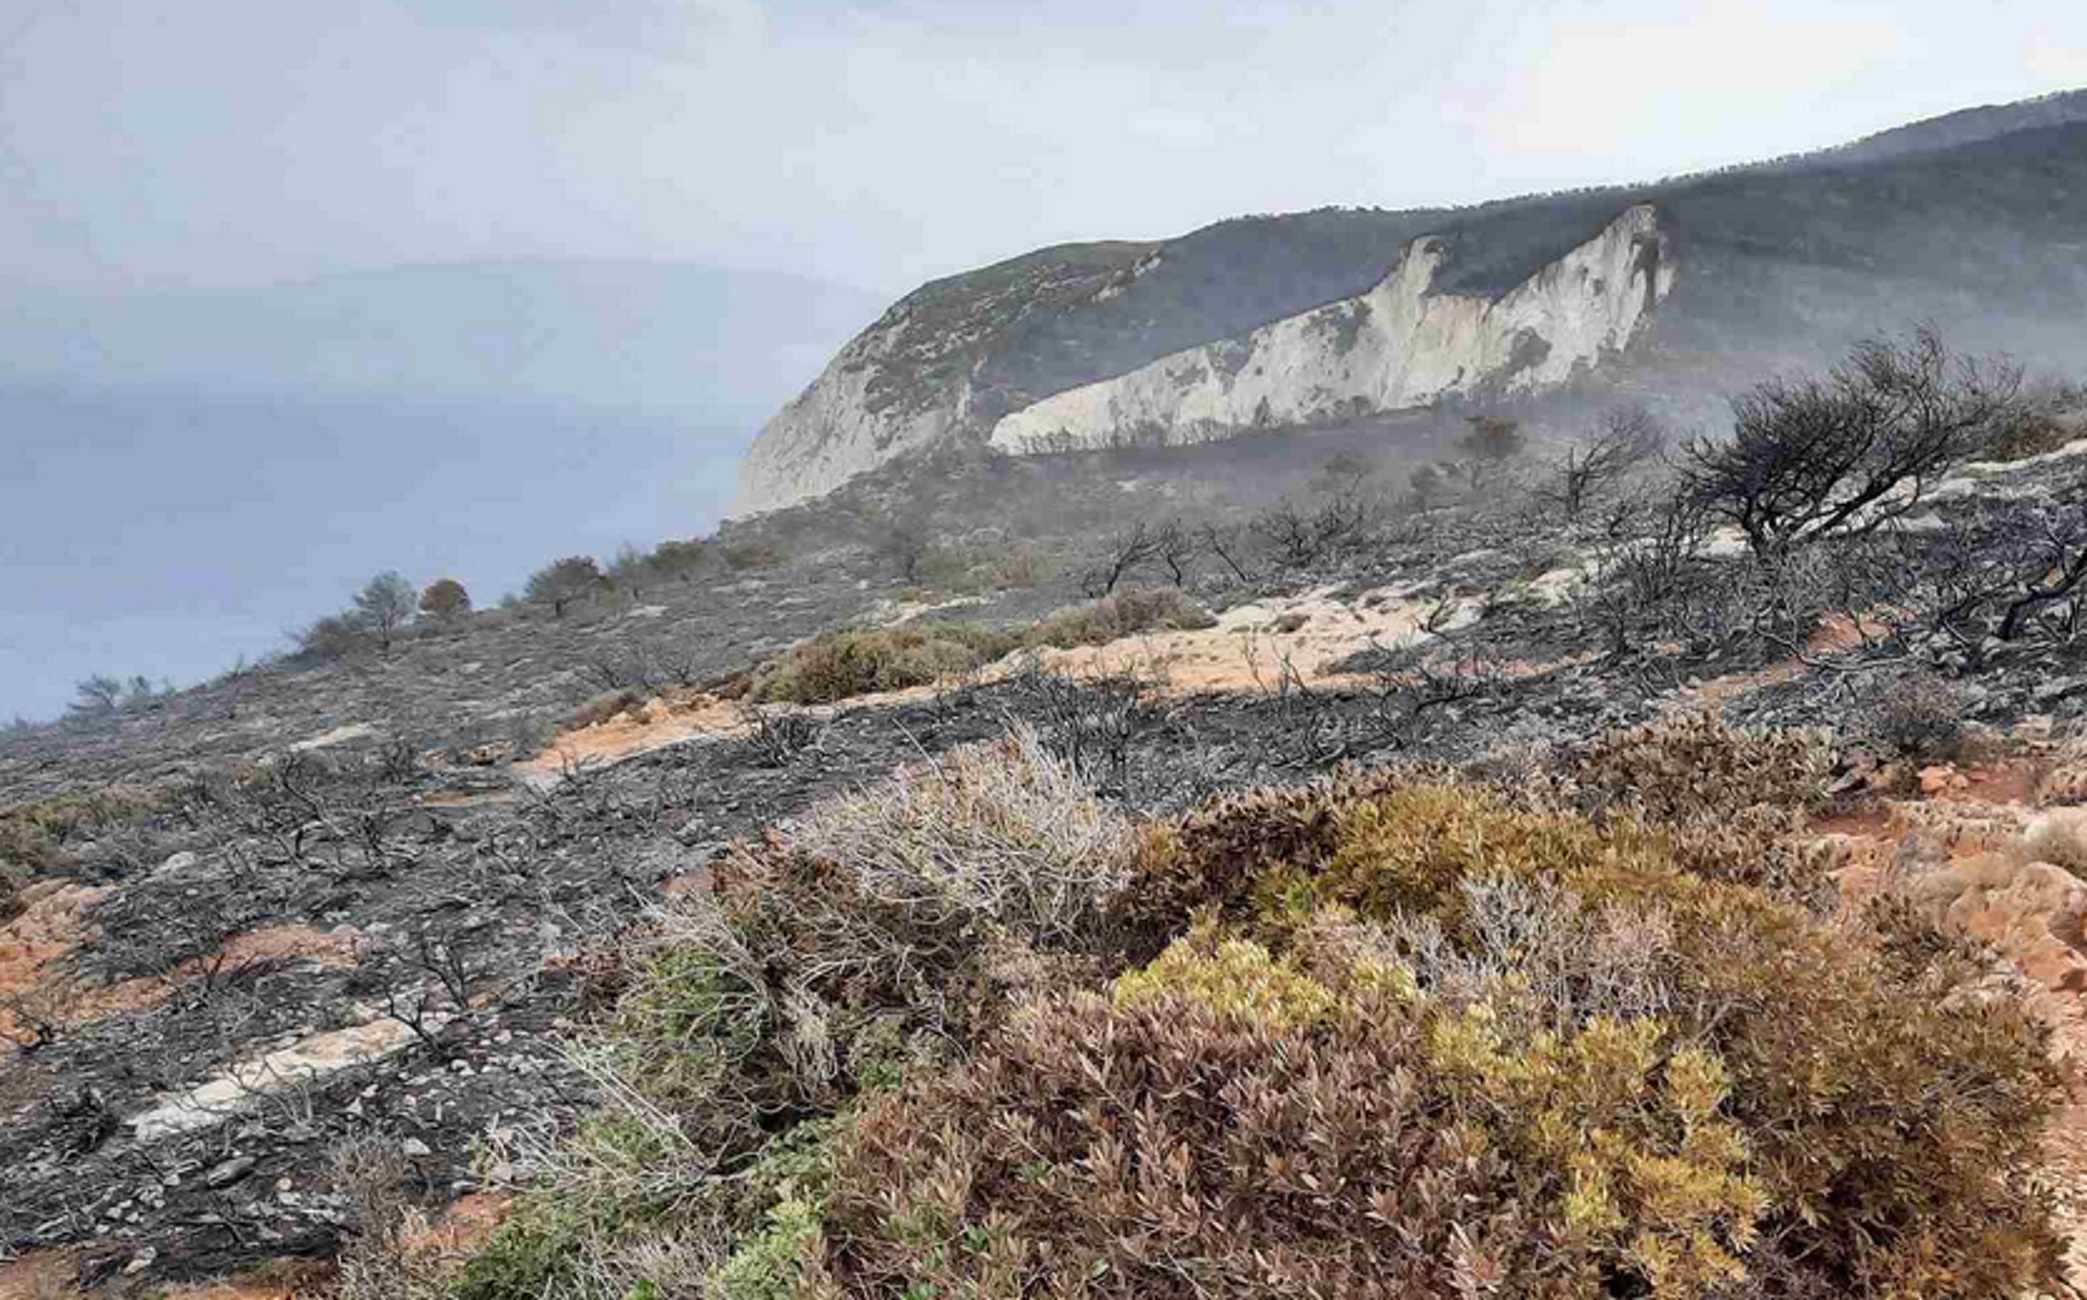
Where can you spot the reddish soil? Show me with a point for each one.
(1245, 653)
(51, 925)
(290, 1279)
(44, 1275)
(466, 1225)
(54, 924)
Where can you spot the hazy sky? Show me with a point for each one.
(231, 144)
(885, 141)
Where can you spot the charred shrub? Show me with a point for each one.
(1089, 720)
(1815, 457)
(776, 736)
(1919, 718)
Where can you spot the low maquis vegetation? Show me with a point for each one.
(971, 1034)
(843, 664)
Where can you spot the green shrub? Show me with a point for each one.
(1112, 618)
(2033, 431)
(528, 1257)
(839, 665)
(772, 1264)
(14, 877)
(35, 837)
(1889, 1112)
(743, 556)
(1231, 1125)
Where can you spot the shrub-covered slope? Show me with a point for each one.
(970, 1034)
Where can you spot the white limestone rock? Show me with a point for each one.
(1399, 345)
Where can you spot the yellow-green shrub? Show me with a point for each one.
(1230, 976)
(1229, 1124)
(840, 665)
(1889, 1110)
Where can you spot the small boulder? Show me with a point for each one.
(228, 1172)
(1940, 779)
(491, 753)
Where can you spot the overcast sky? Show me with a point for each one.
(886, 141)
(229, 144)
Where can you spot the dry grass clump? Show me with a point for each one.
(375, 1261)
(1697, 765)
(2064, 778)
(2059, 837)
(1006, 830)
(600, 709)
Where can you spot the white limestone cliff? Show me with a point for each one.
(840, 426)
(1399, 345)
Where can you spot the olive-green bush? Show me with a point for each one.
(840, 665)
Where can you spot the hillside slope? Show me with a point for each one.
(1969, 220)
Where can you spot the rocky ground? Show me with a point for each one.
(382, 935)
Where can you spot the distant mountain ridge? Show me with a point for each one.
(1972, 220)
(1966, 126)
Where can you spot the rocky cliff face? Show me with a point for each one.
(1399, 345)
(909, 380)
(923, 374)
(838, 428)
